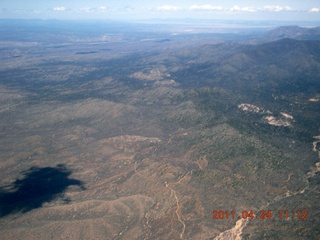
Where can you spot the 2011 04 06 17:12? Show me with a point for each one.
(263, 214)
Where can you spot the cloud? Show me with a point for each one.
(168, 8)
(129, 9)
(269, 8)
(249, 9)
(314, 10)
(201, 9)
(87, 9)
(242, 9)
(276, 8)
(59, 9)
(36, 11)
(206, 7)
(102, 8)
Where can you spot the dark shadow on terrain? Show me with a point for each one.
(38, 185)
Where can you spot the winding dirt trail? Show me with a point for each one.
(177, 210)
(179, 206)
(289, 177)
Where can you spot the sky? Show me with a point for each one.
(257, 10)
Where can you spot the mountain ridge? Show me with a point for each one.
(294, 32)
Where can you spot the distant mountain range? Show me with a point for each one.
(284, 64)
(294, 32)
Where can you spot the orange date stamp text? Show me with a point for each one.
(262, 214)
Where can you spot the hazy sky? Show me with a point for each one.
(145, 9)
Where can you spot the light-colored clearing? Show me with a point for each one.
(233, 233)
(286, 115)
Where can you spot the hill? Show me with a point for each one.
(294, 32)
